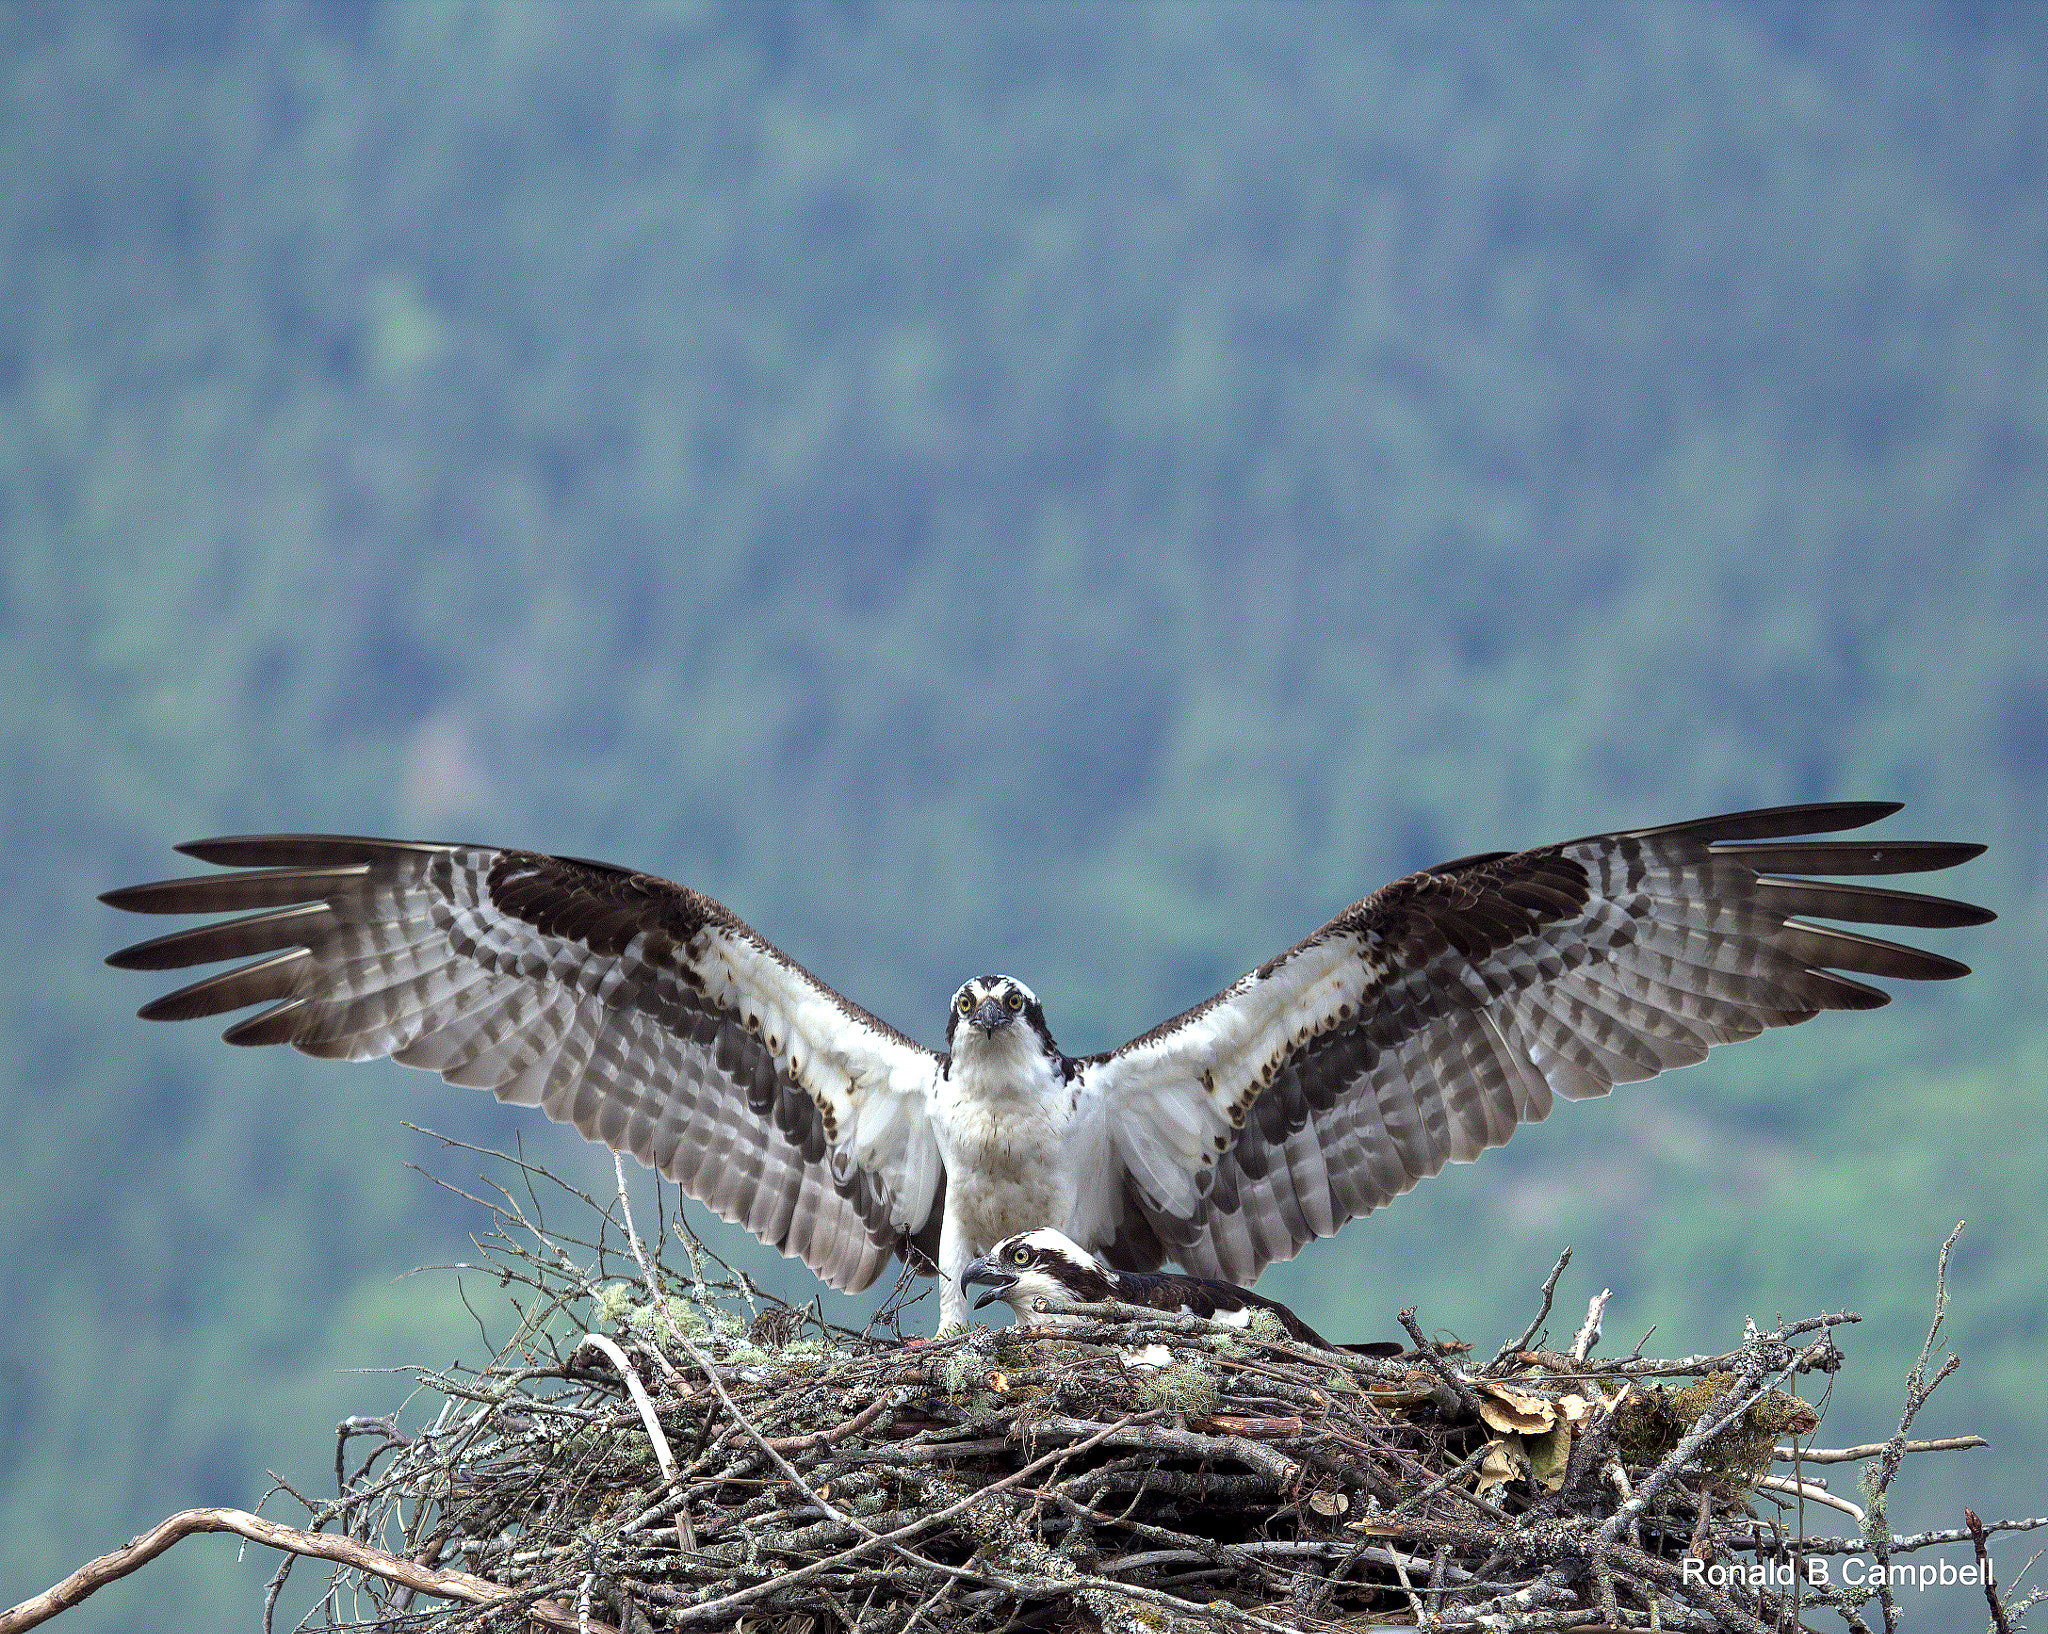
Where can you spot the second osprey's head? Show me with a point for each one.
(989, 1005)
(1041, 1264)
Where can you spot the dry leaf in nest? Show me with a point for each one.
(1536, 1432)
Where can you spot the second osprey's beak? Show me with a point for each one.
(985, 1269)
(988, 1015)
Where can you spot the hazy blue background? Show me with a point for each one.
(1079, 491)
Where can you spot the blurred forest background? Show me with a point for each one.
(1080, 491)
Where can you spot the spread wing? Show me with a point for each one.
(1425, 1023)
(642, 1012)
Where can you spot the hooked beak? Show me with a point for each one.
(988, 1016)
(985, 1270)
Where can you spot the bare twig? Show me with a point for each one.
(1871, 1449)
(1589, 1331)
(638, 1391)
(1999, 1620)
(1432, 1358)
(1536, 1323)
(1812, 1493)
(1877, 1483)
(444, 1585)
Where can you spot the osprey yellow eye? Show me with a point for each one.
(1016, 1001)
(966, 1005)
(1021, 1255)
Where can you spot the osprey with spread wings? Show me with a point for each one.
(1418, 1027)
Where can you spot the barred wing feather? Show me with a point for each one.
(643, 1013)
(1427, 1022)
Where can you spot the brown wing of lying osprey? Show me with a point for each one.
(644, 1013)
(1427, 1022)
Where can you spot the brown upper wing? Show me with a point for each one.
(1427, 1022)
(642, 1012)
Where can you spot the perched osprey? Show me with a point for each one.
(1418, 1027)
(1044, 1264)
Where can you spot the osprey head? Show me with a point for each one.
(1041, 1264)
(990, 1003)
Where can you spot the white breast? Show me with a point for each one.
(1002, 1117)
(1003, 1113)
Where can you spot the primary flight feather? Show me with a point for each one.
(1420, 1026)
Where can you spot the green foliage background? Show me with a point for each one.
(1079, 491)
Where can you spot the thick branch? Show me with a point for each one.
(443, 1585)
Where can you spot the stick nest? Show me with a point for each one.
(719, 1459)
